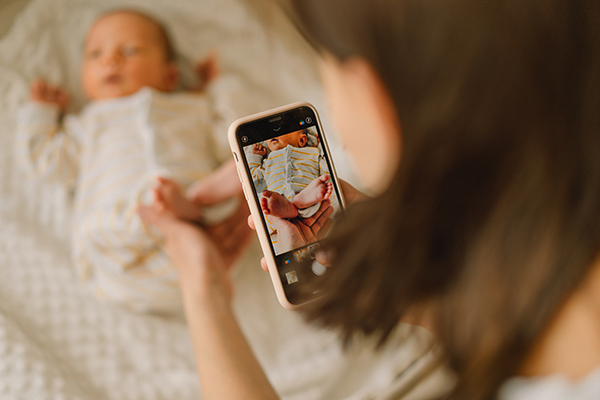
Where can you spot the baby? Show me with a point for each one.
(134, 128)
(300, 199)
(293, 177)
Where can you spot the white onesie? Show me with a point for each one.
(111, 153)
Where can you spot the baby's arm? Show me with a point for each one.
(208, 70)
(257, 169)
(44, 147)
(219, 186)
(205, 72)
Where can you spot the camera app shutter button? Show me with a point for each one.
(318, 268)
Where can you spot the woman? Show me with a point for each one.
(482, 119)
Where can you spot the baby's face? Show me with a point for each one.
(296, 139)
(123, 53)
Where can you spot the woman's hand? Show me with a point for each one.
(301, 231)
(298, 232)
(227, 368)
(202, 256)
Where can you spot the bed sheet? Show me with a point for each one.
(56, 340)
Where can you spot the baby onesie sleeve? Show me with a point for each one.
(257, 170)
(46, 149)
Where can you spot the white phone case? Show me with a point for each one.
(255, 210)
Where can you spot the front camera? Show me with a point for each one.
(245, 139)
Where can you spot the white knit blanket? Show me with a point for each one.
(59, 342)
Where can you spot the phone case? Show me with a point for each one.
(255, 210)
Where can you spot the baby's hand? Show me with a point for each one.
(259, 149)
(45, 93)
(208, 70)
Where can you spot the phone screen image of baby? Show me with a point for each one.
(292, 179)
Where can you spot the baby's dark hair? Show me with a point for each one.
(165, 36)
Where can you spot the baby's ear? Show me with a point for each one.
(172, 76)
(303, 140)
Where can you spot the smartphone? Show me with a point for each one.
(287, 175)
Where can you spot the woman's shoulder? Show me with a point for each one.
(555, 387)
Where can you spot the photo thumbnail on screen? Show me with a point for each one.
(291, 177)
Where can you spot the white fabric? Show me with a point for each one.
(57, 341)
(556, 387)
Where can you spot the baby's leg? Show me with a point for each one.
(318, 190)
(272, 203)
(169, 196)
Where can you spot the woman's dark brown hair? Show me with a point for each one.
(494, 212)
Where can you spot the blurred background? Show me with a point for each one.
(8, 11)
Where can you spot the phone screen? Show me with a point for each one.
(293, 184)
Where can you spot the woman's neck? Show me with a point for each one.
(571, 344)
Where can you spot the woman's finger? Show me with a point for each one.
(237, 238)
(325, 204)
(324, 229)
(306, 231)
(322, 219)
(223, 229)
(263, 264)
(164, 221)
(251, 222)
(351, 194)
(232, 235)
(324, 257)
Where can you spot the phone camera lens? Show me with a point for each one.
(245, 139)
(308, 120)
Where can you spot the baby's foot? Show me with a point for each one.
(169, 196)
(272, 203)
(318, 190)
